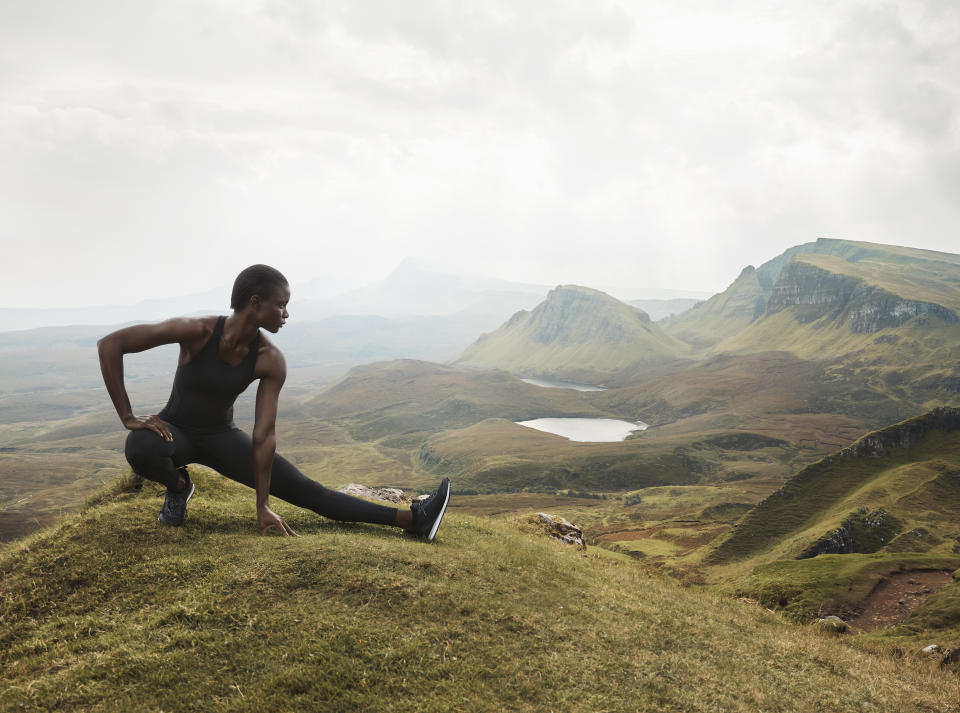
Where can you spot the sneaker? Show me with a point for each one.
(175, 505)
(428, 513)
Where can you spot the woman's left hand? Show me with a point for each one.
(268, 518)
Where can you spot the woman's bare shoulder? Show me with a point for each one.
(269, 358)
(139, 337)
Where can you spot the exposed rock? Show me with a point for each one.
(862, 531)
(832, 624)
(815, 293)
(932, 649)
(390, 495)
(561, 529)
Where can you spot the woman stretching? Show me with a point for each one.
(219, 357)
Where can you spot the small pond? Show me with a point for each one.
(586, 429)
(550, 384)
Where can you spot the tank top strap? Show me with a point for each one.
(218, 329)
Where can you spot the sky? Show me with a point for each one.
(154, 149)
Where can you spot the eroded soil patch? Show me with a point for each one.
(895, 597)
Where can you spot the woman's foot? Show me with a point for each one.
(175, 504)
(428, 513)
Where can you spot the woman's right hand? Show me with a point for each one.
(151, 423)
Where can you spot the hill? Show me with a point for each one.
(110, 611)
(406, 397)
(577, 334)
(895, 489)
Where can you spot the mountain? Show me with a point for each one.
(110, 611)
(415, 288)
(206, 302)
(871, 286)
(578, 334)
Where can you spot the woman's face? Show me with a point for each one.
(273, 310)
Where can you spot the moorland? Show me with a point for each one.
(803, 449)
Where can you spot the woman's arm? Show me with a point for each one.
(139, 338)
(265, 438)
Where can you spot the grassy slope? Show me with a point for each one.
(912, 482)
(840, 583)
(497, 455)
(409, 397)
(912, 477)
(110, 611)
(723, 314)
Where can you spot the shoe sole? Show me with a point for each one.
(189, 495)
(436, 523)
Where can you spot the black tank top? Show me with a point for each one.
(205, 388)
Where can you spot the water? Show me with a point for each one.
(550, 384)
(586, 429)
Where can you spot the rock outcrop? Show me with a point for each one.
(390, 495)
(863, 531)
(559, 528)
(814, 293)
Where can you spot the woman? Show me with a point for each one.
(219, 358)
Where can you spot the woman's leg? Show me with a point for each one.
(152, 457)
(231, 454)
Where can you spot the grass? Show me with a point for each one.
(834, 584)
(111, 611)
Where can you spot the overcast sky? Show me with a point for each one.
(153, 149)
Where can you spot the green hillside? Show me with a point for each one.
(110, 611)
(723, 314)
(576, 334)
(407, 397)
(498, 455)
(909, 471)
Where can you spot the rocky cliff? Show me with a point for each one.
(815, 292)
(866, 286)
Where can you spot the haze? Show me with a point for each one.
(149, 150)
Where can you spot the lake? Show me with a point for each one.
(586, 429)
(550, 384)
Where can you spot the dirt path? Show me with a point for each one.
(895, 597)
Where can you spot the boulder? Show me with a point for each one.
(390, 495)
(561, 529)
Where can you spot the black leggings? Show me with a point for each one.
(230, 453)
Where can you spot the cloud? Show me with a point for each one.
(631, 143)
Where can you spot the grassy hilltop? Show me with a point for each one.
(111, 611)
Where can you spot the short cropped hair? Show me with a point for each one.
(259, 280)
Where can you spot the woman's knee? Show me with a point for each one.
(144, 448)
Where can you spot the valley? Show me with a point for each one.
(751, 477)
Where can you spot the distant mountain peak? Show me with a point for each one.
(575, 331)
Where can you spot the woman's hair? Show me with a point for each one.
(259, 280)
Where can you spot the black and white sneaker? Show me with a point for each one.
(428, 513)
(175, 505)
